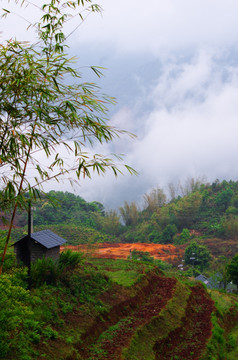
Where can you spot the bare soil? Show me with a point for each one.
(122, 251)
(189, 341)
(110, 348)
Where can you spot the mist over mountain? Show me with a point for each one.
(183, 110)
(172, 66)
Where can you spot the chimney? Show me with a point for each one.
(29, 219)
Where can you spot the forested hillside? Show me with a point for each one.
(71, 217)
(204, 210)
(207, 209)
(204, 213)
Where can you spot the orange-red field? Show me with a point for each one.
(122, 251)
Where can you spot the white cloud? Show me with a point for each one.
(195, 135)
(185, 111)
(183, 136)
(160, 26)
(154, 26)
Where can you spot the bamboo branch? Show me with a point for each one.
(16, 203)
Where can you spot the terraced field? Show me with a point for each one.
(112, 342)
(164, 320)
(142, 314)
(189, 340)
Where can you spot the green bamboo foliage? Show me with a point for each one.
(45, 107)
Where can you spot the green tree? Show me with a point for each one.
(129, 213)
(221, 266)
(168, 233)
(223, 199)
(188, 209)
(197, 255)
(232, 270)
(183, 237)
(229, 227)
(45, 108)
(112, 223)
(154, 200)
(167, 215)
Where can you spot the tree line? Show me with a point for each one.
(207, 209)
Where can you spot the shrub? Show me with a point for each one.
(183, 237)
(230, 227)
(69, 259)
(49, 333)
(44, 270)
(168, 234)
(141, 255)
(155, 236)
(197, 255)
(162, 265)
(232, 270)
(15, 314)
(9, 262)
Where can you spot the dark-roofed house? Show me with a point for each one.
(215, 282)
(40, 244)
(202, 278)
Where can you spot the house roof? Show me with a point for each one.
(215, 282)
(202, 278)
(46, 238)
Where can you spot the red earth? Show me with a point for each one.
(155, 301)
(189, 341)
(122, 251)
(185, 342)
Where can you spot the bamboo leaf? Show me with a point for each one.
(46, 107)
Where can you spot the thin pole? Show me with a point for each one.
(29, 218)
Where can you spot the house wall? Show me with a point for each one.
(29, 251)
(53, 253)
(37, 251)
(22, 252)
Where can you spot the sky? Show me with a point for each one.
(173, 67)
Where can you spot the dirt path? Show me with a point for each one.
(111, 342)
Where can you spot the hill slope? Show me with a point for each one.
(111, 309)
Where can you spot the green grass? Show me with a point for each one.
(121, 264)
(232, 345)
(144, 339)
(222, 345)
(124, 278)
(216, 345)
(223, 301)
(123, 272)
